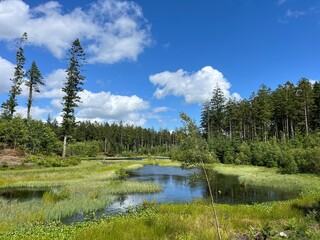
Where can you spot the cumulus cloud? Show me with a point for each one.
(110, 30)
(36, 112)
(53, 84)
(193, 87)
(112, 107)
(101, 106)
(6, 72)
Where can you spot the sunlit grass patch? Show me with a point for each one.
(270, 177)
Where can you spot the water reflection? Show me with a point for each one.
(228, 190)
(21, 195)
(181, 185)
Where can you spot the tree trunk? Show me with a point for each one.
(292, 130)
(64, 150)
(306, 118)
(287, 127)
(29, 102)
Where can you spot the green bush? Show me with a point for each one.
(121, 174)
(52, 161)
(288, 164)
(84, 149)
(4, 164)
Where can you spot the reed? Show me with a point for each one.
(271, 177)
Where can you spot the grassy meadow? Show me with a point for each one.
(90, 186)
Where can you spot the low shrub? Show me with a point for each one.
(52, 161)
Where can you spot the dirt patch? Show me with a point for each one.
(13, 157)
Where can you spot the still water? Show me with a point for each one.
(180, 185)
(185, 185)
(22, 195)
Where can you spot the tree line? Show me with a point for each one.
(283, 113)
(278, 128)
(84, 138)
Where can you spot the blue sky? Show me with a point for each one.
(150, 59)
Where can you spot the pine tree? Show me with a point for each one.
(71, 88)
(264, 110)
(205, 120)
(217, 111)
(34, 79)
(8, 107)
(316, 110)
(231, 116)
(305, 92)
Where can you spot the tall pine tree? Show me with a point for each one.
(71, 88)
(34, 79)
(8, 107)
(217, 111)
(305, 92)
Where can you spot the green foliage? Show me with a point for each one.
(9, 106)
(288, 163)
(52, 161)
(4, 164)
(192, 147)
(33, 136)
(243, 155)
(34, 79)
(41, 138)
(121, 173)
(266, 154)
(72, 86)
(84, 149)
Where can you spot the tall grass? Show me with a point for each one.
(71, 190)
(91, 186)
(271, 178)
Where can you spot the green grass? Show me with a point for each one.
(84, 188)
(185, 221)
(91, 185)
(270, 177)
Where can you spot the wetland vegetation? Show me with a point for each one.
(269, 142)
(93, 185)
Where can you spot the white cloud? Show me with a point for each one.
(114, 108)
(193, 87)
(6, 72)
(294, 14)
(35, 111)
(280, 2)
(53, 84)
(160, 109)
(313, 81)
(101, 106)
(110, 30)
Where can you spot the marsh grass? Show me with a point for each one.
(84, 188)
(91, 186)
(185, 221)
(271, 178)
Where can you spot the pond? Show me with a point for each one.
(22, 195)
(181, 185)
(134, 158)
(185, 185)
